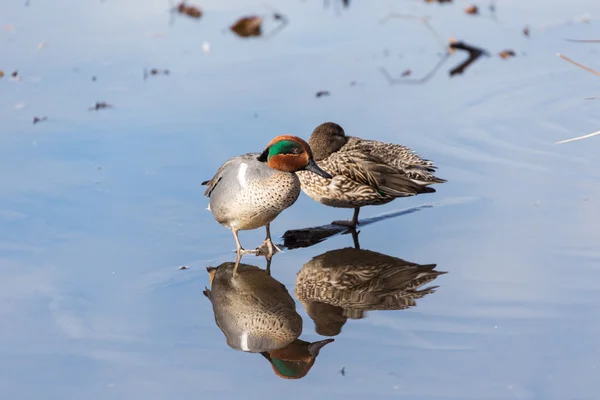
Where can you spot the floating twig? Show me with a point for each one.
(423, 20)
(579, 138)
(424, 79)
(583, 40)
(474, 54)
(577, 64)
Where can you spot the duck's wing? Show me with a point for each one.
(212, 183)
(370, 170)
(404, 158)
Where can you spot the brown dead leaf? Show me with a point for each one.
(505, 54)
(248, 26)
(1, 73)
(190, 11)
(472, 9)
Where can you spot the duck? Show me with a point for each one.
(345, 283)
(365, 172)
(257, 314)
(251, 190)
(254, 310)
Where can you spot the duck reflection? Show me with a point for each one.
(345, 283)
(257, 314)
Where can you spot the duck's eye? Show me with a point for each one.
(296, 151)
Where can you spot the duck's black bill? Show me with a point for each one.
(314, 168)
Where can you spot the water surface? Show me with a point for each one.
(99, 209)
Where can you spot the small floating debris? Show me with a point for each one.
(39, 119)
(248, 26)
(438, 1)
(155, 71)
(1, 73)
(251, 26)
(183, 267)
(206, 47)
(526, 31)
(506, 54)
(100, 105)
(190, 11)
(343, 371)
(406, 72)
(472, 10)
(322, 93)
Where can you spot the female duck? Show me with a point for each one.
(251, 190)
(365, 172)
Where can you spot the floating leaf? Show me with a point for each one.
(472, 9)
(248, 26)
(190, 11)
(505, 54)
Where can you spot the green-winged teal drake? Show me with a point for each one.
(365, 172)
(257, 314)
(255, 311)
(251, 190)
(344, 283)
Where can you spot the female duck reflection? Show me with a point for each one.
(257, 314)
(344, 283)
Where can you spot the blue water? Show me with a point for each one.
(99, 209)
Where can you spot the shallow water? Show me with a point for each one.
(98, 209)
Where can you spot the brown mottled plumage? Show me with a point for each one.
(365, 172)
(345, 283)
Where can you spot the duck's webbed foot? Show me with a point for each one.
(351, 223)
(267, 249)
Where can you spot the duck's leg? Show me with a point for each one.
(267, 249)
(355, 239)
(237, 263)
(269, 266)
(240, 250)
(352, 223)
